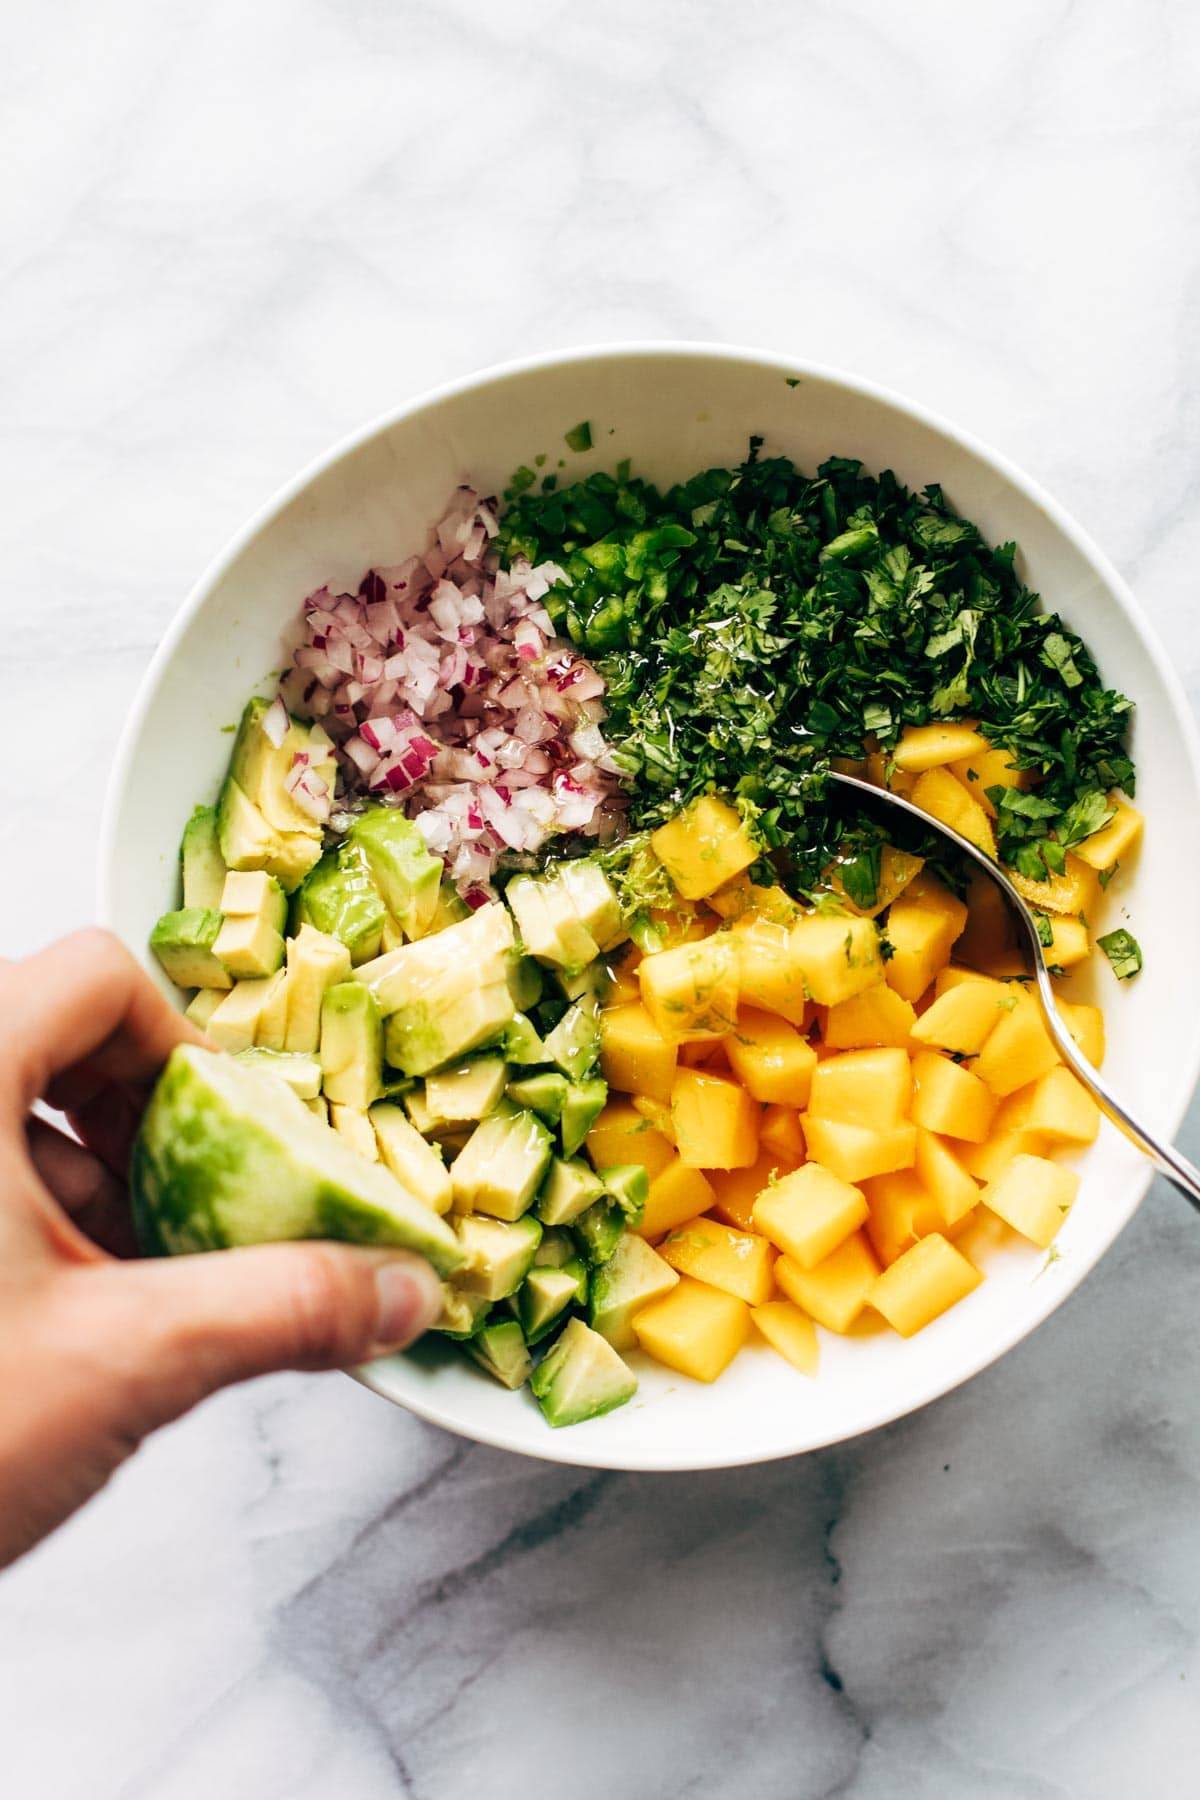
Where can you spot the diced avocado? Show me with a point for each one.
(250, 941)
(501, 1350)
(351, 1044)
(595, 901)
(407, 876)
(446, 995)
(202, 1005)
(556, 1248)
(632, 1277)
(580, 1377)
(253, 894)
(590, 986)
(544, 1093)
(499, 1254)
(549, 925)
(574, 1043)
(249, 841)
(467, 1092)
(226, 1155)
(628, 1184)
(236, 1023)
(261, 767)
(500, 1168)
(429, 1033)
(521, 1042)
(185, 944)
(271, 1030)
(355, 1127)
(414, 1163)
(451, 909)
(301, 1073)
(340, 898)
(599, 1230)
(568, 1190)
(525, 982)
(315, 962)
(545, 1295)
(462, 1315)
(582, 1107)
(202, 863)
(319, 1108)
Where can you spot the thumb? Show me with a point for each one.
(208, 1320)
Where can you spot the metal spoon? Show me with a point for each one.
(1166, 1159)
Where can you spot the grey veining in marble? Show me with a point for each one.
(230, 233)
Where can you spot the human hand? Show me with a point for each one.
(95, 1351)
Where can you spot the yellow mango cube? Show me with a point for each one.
(838, 955)
(621, 967)
(956, 975)
(694, 1329)
(856, 1152)
(770, 976)
(922, 928)
(943, 797)
(835, 1292)
(942, 1174)
(691, 991)
(924, 747)
(1076, 891)
(1018, 1050)
(989, 939)
(715, 1121)
(790, 1332)
(1033, 1195)
(901, 1210)
(987, 1161)
(962, 1018)
(896, 869)
(923, 1283)
(781, 1135)
(948, 1099)
(621, 1134)
(1086, 1025)
(1105, 848)
(737, 1262)
(882, 770)
(705, 846)
(1069, 943)
(635, 1057)
(808, 1213)
(658, 1112)
(988, 769)
(866, 1087)
(1062, 1109)
(736, 1190)
(770, 1058)
(676, 1195)
(877, 1017)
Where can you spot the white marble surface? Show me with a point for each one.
(230, 233)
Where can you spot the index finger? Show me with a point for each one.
(84, 999)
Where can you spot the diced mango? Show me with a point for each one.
(808, 1213)
(876, 1017)
(901, 1210)
(989, 941)
(622, 966)
(883, 772)
(658, 1112)
(950, 1100)
(962, 1019)
(838, 956)
(716, 1121)
(790, 1332)
(955, 975)
(695, 1329)
(986, 1162)
(622, 1135)
(635, 1057)
(1069, 943)
(835, 1292)
(922, 928)
(896, 869)
(770, 976)
(1086, 1025)
(921, 1284)
(676, 1195)
(988, 769)
(1105, 848)
(770, 1058)
(866, 1087)
(1018, 1050)
(705, 846)
(737, 1262)
(1075, 891)
(781, 1134)
(1033, 1195)
(736, 1190)
(691, 992)
(1062, 1109)
(856, 1152)
(943, 797)
(944, 1176)
(924, 747)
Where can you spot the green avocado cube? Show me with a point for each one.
(236, 1024)
(632, 1277)
(521, 1041)
(462, 1315)
(301, 1073)
(544, 1093)
(261, 767)
(315, 963)
(351, 1044)
(468, 1092)
(549, 925)
(203, 866)
(546, 1294)
(582, 1106)
(595, 901)
(568, 1190)
(628, 1185)
(185, 944)
(339, 897)
(202, 1005)
(501, 1166)
(500, 1349)
(556, 1248)
(525, 981)
(406, 875)
(253, 894)
(574, 1044)
(580, 1377)
(415, 1164)
(599, 1230)
(250, 942)
(498, 1254)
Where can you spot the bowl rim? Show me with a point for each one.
(1183, 1080)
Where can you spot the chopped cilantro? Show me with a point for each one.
(1123, 952)
(791, 381)
(580, 436)
(1045, 929)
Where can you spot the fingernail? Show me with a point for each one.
(410, 1299)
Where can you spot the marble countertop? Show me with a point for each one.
(232, 233)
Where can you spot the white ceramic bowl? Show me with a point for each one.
(675, 410)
